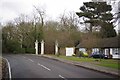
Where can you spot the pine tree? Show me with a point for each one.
(98, 14)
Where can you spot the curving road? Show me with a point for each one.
(32, 66)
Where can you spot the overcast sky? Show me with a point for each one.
(10, 9)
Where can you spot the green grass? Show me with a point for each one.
(103, 62)
(110, 63)
(115, 66)
(77, 59)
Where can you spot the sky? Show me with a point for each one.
(10, 9)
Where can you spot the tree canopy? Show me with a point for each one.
(99, 16)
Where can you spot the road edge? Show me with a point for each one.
(9, 68)
(114, 74)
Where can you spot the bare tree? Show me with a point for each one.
(69, 21)
(41, 12)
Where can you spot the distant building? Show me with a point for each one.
(108, 46)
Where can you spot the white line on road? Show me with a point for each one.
(39, 64)
(31, 60)
(62, 77)
(9, 68)
(44, 67)
(24, 57)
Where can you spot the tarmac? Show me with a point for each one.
(88, 65)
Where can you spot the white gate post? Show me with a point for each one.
(56, 48)
(36, 47)
(42, 47)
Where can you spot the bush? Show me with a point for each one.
(30, 50)
(24, 50)
(19, 50)
(79, 54)
(11, 46)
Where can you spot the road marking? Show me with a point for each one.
(24, 57)
(31, 60)
(39, 64)
(9, 69)
(62, 77)
(44, 67)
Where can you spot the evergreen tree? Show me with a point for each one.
(98, 14)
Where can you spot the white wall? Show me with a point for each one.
(69, 51)
(95, 50)
(116, 53)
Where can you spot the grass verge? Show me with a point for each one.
(110, 63)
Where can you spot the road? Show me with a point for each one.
(32, 66)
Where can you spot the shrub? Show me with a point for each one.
(19, 50)
(79, 54)
(30, 50)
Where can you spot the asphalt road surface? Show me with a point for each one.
(32, 66)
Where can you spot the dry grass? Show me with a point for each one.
(3, 68)
(0, 67)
